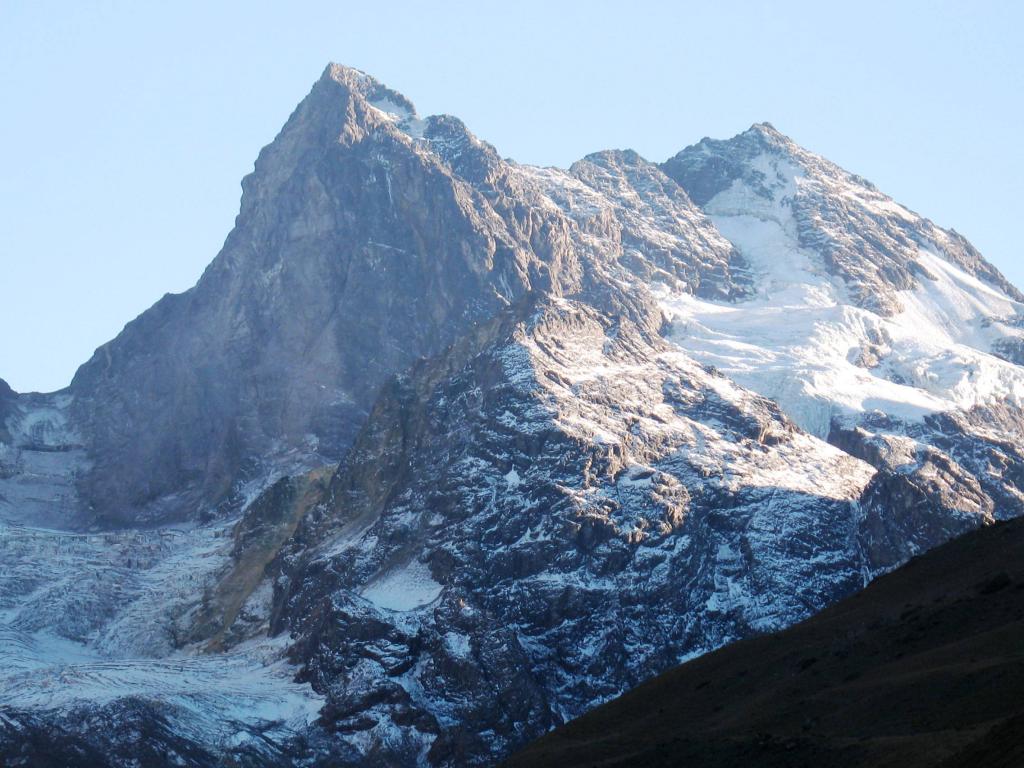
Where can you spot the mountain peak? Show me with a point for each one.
(722, 160)
(374, 92)
(342, 73)
(756, 139)
(768, 134)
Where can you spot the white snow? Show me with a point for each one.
(799, 340)
(390, 107)
(404, 589)
(402, 117)
(458, 644)
(213, 694)
(87, 619)
(90, 618)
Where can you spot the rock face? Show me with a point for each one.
(546, 518)
(8, 401)
(467, 447)
(354, 253)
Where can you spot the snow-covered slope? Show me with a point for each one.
(813, 337)
(594, 421)
(90, 621)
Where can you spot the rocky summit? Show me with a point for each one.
(443, 450)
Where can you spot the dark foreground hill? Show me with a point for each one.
(925, 667)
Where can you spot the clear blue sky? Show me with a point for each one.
(127, 126)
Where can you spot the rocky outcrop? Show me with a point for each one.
(222, 619)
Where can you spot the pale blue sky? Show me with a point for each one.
(127, 126)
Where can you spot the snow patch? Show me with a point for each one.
(404, 589)
(401, 116)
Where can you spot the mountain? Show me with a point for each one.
(922, 668)
(354, 253)
(443, 450)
